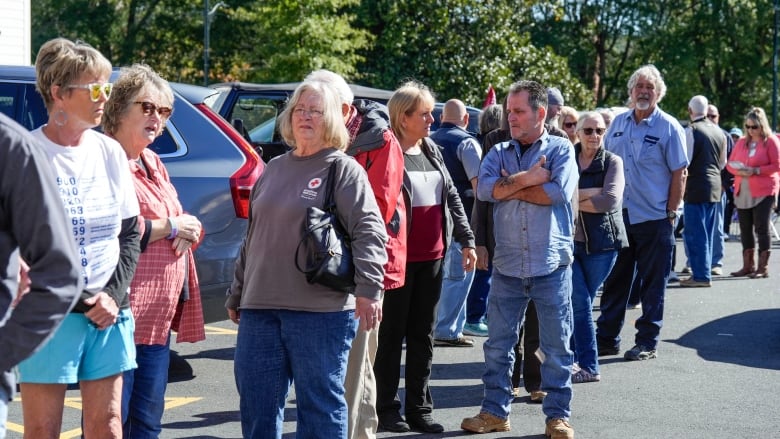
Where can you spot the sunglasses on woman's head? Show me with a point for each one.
(95, 89)
(149, 108)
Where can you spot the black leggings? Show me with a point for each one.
(756, 219)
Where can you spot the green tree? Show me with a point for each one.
(283, 40)
(721, 49)
(163, 34)
(458, 48)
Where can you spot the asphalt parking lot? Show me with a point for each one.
(717, 376)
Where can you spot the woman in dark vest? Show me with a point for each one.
(599, 234)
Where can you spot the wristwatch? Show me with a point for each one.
(671, 214)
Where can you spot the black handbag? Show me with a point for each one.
(325, 245)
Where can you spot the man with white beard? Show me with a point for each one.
(652, 146)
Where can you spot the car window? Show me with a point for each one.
(258, 116)
(24, 100)
(7, 100)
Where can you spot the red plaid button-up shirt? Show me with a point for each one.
(160, 275)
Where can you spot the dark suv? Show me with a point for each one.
(253, 109)
(211, 165)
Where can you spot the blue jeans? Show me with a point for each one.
(720, 232)
(508, 301)
(476, 302)
(276, 347)
(699, 234)
(451, 310)
(650, 254)
(588, 273)
(143, 392)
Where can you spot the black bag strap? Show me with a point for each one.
(329, 205)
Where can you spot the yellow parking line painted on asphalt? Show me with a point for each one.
(178, 402)
(213, 330)
(75, 403)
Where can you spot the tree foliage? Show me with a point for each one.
(587, 48)
(458, 48)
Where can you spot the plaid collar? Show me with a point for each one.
(353, 124)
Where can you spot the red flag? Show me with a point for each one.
(490, 99)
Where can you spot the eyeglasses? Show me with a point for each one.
(570, 124)
(302, 112)
(752, 127)
(712, 116)
(589, 131)
(95, 88)
(149, 108)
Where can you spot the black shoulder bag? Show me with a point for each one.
(325, 245)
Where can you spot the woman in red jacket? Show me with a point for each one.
(755, 163)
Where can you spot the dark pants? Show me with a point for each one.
(476, 302)
(408, 313)
(756, 219)
(650, 251)
(525, 353)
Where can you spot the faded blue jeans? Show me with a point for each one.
(508, 300)
(143, 392)
(276, 347)
(588, 273)
(451, 310)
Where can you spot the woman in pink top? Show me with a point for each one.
(164, 293)
(755, 163)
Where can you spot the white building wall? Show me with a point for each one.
(15, 32)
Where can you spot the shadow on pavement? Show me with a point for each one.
(736, 338)
(206, 420)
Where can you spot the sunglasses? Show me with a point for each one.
(149, 108)
(570, 124)
(95, 89)
(752, 127)
(712, 116)
(589, 131)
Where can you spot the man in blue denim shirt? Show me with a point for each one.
(652, 146)
(531, 180)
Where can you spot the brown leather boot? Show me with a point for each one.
(748, 263)
(763, 263)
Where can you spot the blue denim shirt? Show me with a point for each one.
(532, 240)
(651, 150)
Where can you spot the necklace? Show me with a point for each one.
(419, 160)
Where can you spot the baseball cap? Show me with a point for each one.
(554, 96)
(736, 132)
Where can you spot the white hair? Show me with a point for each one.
(334, 80)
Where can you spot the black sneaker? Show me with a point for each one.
(392, 421)
(639, 352)
(460, 342)
(606, 350)
(424, 423)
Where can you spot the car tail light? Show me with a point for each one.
(242, 181)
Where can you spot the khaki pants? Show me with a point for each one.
(360, 386)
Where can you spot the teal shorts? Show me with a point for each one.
(79, 351)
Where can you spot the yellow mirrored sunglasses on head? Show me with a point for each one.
(95, 88)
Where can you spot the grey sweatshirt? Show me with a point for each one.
(33, 225)
(266, 276)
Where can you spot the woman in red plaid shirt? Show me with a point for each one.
(164, 294)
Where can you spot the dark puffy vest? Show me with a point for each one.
(603, 231)
(448, 137)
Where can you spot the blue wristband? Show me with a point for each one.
(174, 229)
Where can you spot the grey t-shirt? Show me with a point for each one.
(33, 226)
(266, 276)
